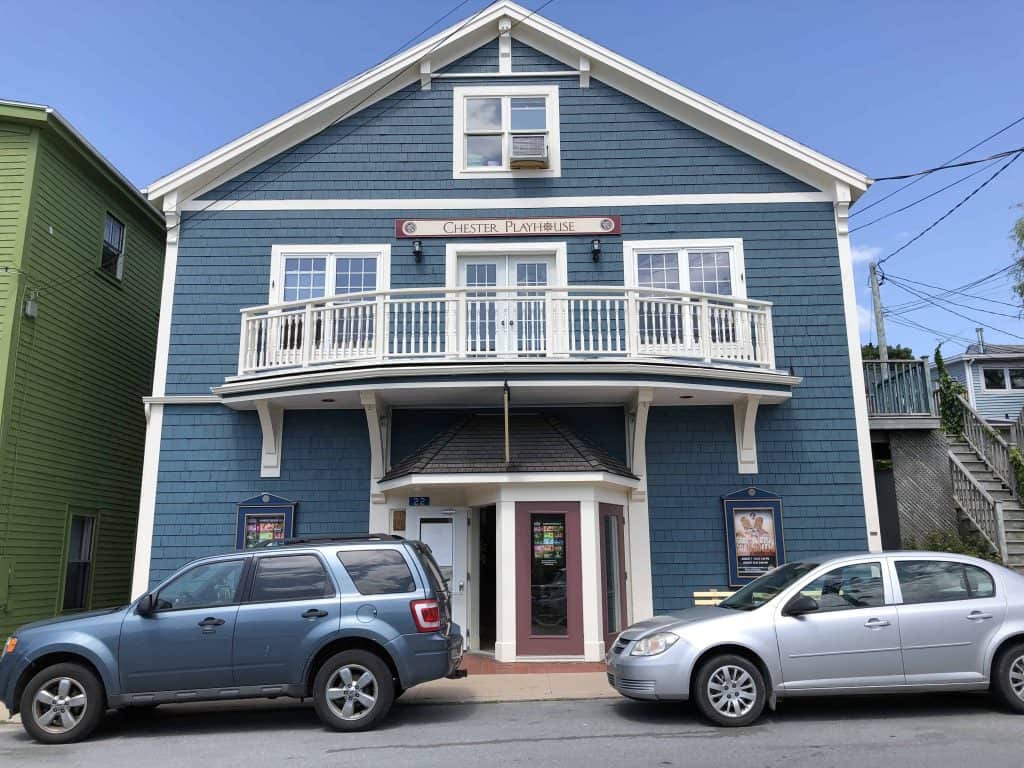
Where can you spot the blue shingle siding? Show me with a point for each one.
(210, 461)
(807, 453)
(483, 59)
(224, 265)
(527, 59)
(411, 429)
(401, 147)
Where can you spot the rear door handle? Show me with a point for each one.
(876, 623)
(314, 613)
(210, 621)
(978, 616)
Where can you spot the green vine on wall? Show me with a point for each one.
(951, 411)
(1017, 463)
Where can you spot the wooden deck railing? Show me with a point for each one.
(980, 507)
(515, 323)
(987, 443)
(898, 388)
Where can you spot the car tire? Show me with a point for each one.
(62, 704)
(353, 690)
(729, 690)
(1008, 678)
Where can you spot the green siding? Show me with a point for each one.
(76, 425)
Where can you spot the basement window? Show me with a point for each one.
(112, 261)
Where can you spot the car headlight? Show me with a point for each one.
(652, 645)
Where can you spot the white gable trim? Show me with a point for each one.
(451, 44)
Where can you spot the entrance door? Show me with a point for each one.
(549, 596)
(613, 572)
(505, 317)
(444, 531)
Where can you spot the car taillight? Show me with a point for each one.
(426, 614)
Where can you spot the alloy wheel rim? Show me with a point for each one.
(1017, 677)
(59, 704)
(732, 691)
(352, 692)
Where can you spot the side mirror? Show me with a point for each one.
(147, 605)
(800, 605)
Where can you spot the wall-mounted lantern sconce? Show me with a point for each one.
(595, 249)
(417, 250)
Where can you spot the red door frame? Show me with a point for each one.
(528, 644)
(616, 512)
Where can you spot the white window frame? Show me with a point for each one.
(279, 252)
(548, 92)
(1008, 388)
(734, 245)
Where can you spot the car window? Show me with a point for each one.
(433, 570)
(204, 586)
(851, 586)
(764, 588)
(290, 577)
(936, 581)
(378, 571)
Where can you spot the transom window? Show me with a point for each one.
(302, 273)
(112, 260)
(1003, 378)
(490, 120)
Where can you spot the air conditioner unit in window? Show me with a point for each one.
(529, 150)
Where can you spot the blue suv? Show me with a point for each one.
(350, 622)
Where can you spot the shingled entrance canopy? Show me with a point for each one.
(476, 445)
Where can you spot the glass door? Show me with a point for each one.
(483, 307)
(505, 315)
(528, 330)
(613, 572)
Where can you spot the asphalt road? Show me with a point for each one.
(930, 732)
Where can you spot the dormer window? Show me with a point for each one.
(506, 131)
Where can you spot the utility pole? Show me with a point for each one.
(876, 303)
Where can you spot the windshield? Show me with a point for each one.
(763, 589)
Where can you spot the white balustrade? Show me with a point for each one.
(536, 322)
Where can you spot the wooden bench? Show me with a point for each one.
(710, 597)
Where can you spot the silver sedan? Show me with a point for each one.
(872, 623)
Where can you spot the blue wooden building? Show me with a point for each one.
(658, 288)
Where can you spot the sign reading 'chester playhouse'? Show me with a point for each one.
(529, 225)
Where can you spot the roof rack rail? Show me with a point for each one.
(329, 539)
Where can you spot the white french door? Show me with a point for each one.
(503, 316)
(445, 532)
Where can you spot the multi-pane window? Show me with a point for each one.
(79, 563)
(706, 271)
(1003, 378)
(306, 277)
(112, 260)
(710, 272)
(493, 126)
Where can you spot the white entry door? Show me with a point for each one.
(445, 532)
(503, 316)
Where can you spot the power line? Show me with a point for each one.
(972, 284)
(945, 291)
(899, 284)
(958, 314)
(927, 171)
(948, 213)
(916, 179)
(940, 336)
(926, 197)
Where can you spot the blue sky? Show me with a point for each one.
(885, 87)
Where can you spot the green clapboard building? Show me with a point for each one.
(81, 262)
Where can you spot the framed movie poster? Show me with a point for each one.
(753, 533)
(264, 521)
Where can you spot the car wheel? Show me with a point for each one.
(729, 690)
(62, 704)
(1008, 677)
(353, 690)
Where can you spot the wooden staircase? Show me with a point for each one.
(984, 488)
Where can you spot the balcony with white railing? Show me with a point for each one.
(534, 324)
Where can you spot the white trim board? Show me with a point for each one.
(401, 70)
(489, 203)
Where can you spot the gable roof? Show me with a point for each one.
(399, 71)
(476, 444)
(41, 115)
